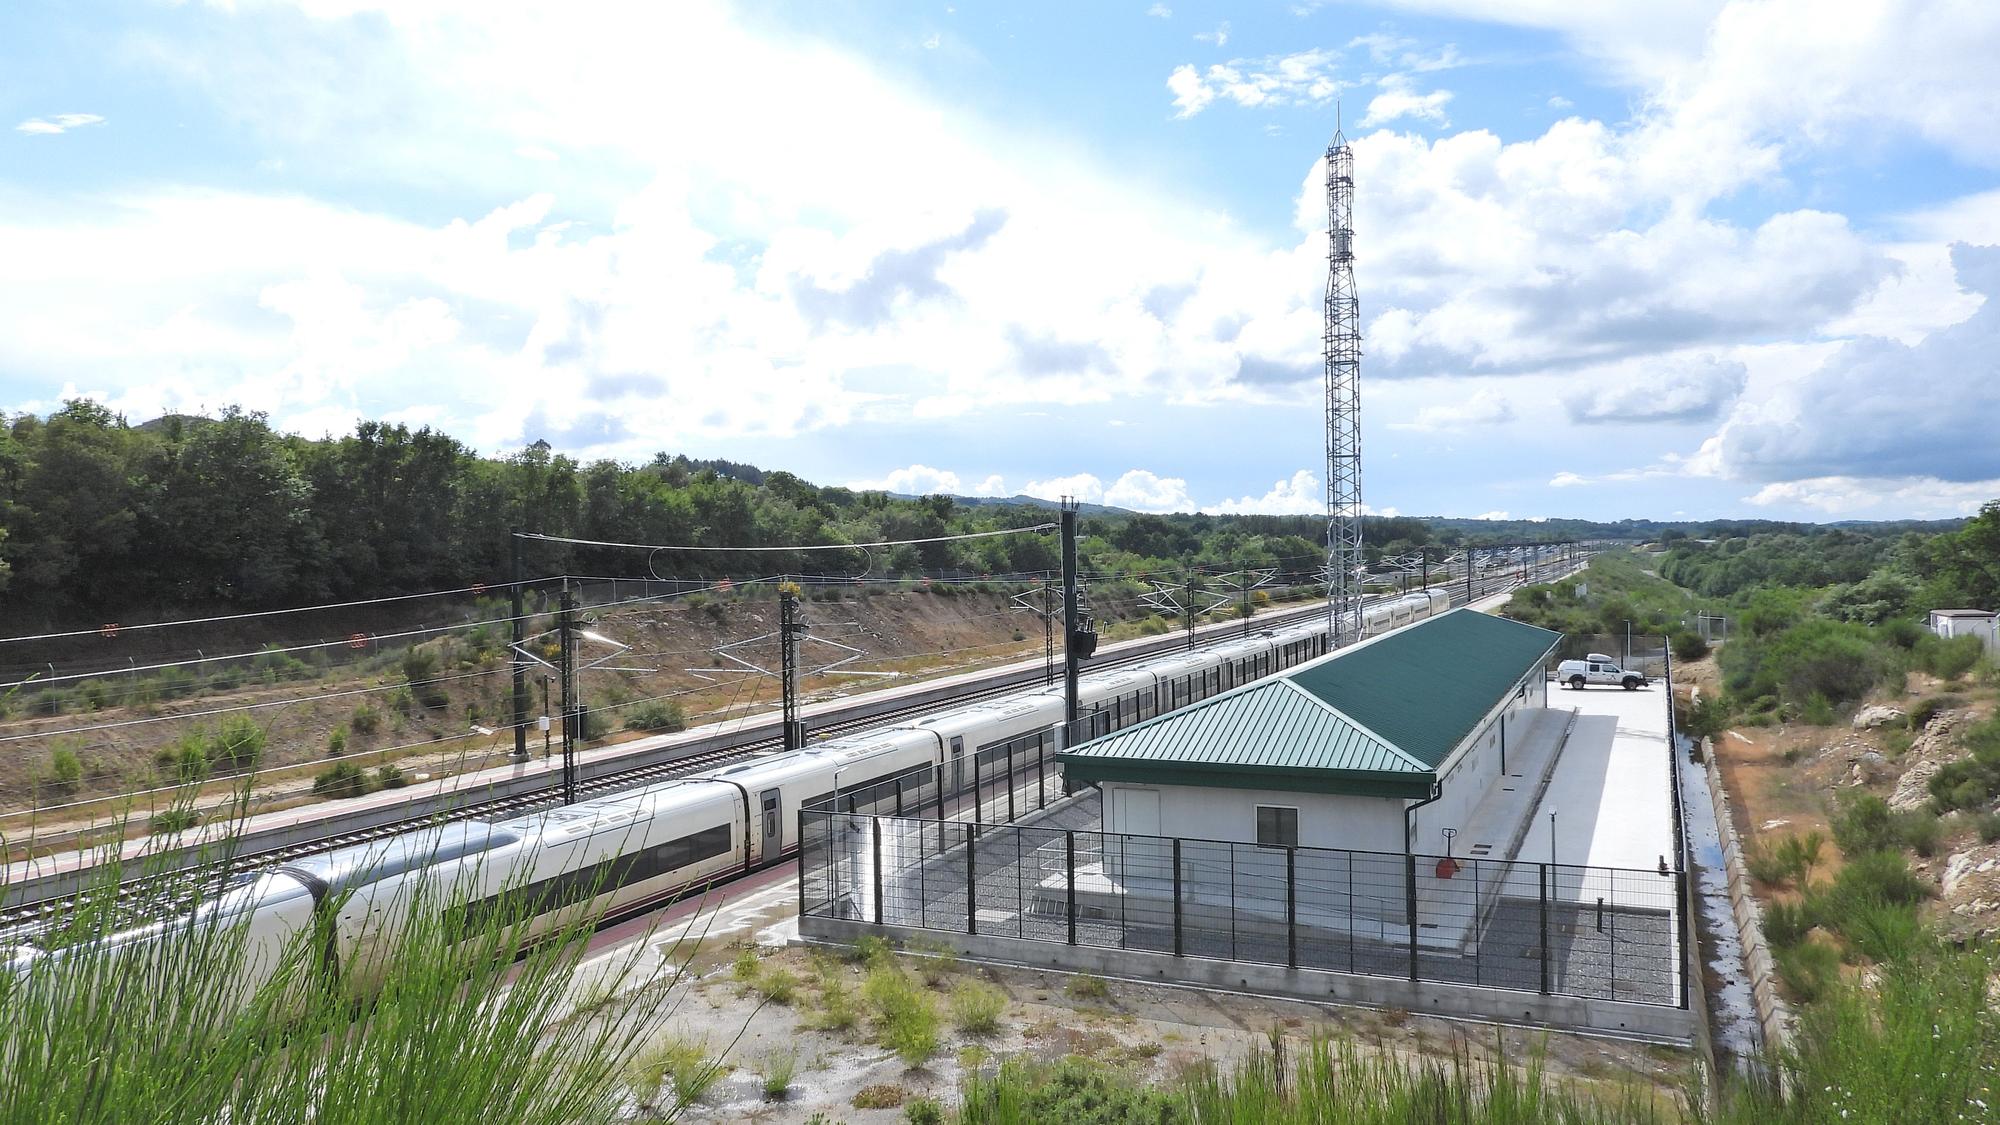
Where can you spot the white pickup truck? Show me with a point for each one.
(1598, 668)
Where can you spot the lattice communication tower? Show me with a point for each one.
(1343, 401)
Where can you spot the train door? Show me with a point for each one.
(957, 763)
(774, 825)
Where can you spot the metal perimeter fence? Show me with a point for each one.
(1558, 929)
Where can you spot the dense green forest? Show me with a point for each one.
(1814, 621)
(101, 519)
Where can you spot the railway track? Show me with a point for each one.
(162, 893)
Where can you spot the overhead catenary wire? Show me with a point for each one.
(482, 588)
(1040, 527)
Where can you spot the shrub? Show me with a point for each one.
(871, 950)
(365, 719)
(186, 761)
(1766, 866)
(1786, 924)
(402, 700)
(685, 1061)
(924, 1111)
(1988, 827)
(1800, 854)
(1883, 876)
(1948, 658)
(778, 985)
(238, 744)
(391, 777)
(777, 1070)
(336, 742)
(976, 1007)
(593, 723)
(180, 818)
(836, 1011)
(1809, 969)
(1864, 824)
(906, 1016)
(746, 967)
(175, 683)
(659, 715)
(1083, 986)
(345, 779)
(1818, 711)
(1920, 830)
(881, 1095)
(1927, 708)
(1881, 931)
(65, 771)
(95, 695)
(1689, 646)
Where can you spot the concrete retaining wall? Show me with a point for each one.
(1773, 1015)
(1640, 1021)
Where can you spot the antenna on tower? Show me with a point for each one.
(1343, 400)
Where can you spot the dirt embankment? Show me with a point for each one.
(1792, 778)
(700, 653)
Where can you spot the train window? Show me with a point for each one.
(586, 883)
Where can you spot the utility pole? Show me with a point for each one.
(1048, 631)
(515, 656)
(1189, 592)
(1424, 561)
(789, 630)
(572, 711)
(1078, 640)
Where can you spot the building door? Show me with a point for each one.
(774, 824)
(1139, 812)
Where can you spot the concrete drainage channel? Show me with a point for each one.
(1772, 1015)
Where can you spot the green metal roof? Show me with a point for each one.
(1270, 735)
(1374, 720)
(1426, 687)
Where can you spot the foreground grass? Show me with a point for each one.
(1916, 1042)
(464, 1024)
(1325, 1082)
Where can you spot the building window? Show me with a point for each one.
(1277, 827)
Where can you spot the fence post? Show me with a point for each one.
(940, 804)
(1010, 784)
(804, 862)
(1544, 898)
(1681, 931)
(1069, 888)
(1410, 894)
(899, 796)
(971, 897)
(1042, 773)
(977, 812)
(875, 830)
(1292, 907)
(1177, 896)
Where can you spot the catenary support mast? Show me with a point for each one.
(1343, 401)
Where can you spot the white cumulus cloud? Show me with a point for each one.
(60, 123)
(1298, 495)
(1481, 408)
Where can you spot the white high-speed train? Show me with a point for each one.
(624, 852)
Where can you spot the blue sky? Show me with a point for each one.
(1617, 259)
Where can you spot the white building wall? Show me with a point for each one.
(1981, 627)
(1331, 820)
(1325, 820)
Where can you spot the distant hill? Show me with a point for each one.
(1023, 501)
